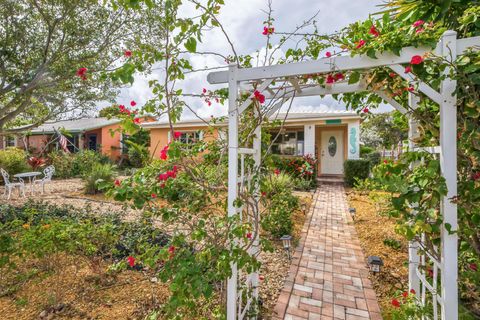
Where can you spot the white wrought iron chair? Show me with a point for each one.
(47, 177)
(9, 186)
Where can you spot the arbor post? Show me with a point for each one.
(448, 163)
(232, 179)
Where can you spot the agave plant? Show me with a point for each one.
(35, 162)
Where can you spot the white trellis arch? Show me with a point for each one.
(448, 48)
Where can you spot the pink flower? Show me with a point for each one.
(373, 31)
(419, 30)
(127, 53)
(249, 235)
(276, 171)
(328, 54)
(395, 303)
(360, 44)
(258, 96)
(117, 182)
(122, 108)
(408, 69)
(176, 134)
(268, 30)
(131, 261)
(330, 79)
(204, 90)
(133, 103)
(136, 120)
(418, 23)
(416, 60)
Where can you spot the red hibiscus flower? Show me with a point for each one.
(258, 96)
(328, 54)
(330, 79)
(248, 235)
(127, 53)
(133, 103)
(395, 303)
(359, 44)
(117, 182)
(131, 261)
(136, 120)
(176, 134)
(412, 291)
(418, 23)
(408, 69)
(365, 110)
(373, 31)
(416, 60)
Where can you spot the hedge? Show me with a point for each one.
(355, 169)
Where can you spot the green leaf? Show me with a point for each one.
(191, 44)
(354, 77)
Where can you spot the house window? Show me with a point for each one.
(10, 141)
(191, 137)
(288, 143)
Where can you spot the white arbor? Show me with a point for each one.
(268, 79)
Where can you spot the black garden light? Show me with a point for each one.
(352, 212)
(286, 240)
(375, 264)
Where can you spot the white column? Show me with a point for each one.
(232, 178)
(413, 257)
(353, 140)
(309, 136)
(257, 156)
(448, 163)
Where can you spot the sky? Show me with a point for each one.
(243, 22)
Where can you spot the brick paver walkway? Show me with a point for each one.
(328, 278)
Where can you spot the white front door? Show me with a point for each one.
(331, 153)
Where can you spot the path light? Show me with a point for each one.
(304, 208)
(352, 212)
(375, 263)
(286, 240)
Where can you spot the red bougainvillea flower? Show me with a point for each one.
(476, 176)
(164, 153)
(122, 108)
(117, 182)
(133, 103)
(416, 60)
(328, 54)
(410, 89)
(359, 44)
(418, 23)
(127, 53)
(412, 291)
(330, 79)
(430, 272)
(419, 30)
(408, 69)
(204, 90)
(171, 249)
(258, 96)
(339, 76)
(131, 261)
(176, 134)
(395, 303)
(136, 120)
(261, 278)
(276, 171)
(392, 74)
(405, 294)
(365, 110)
(268, 30)
(473, 267)
(153, 196)
(373, 31)
(82, 73)
(264, 193)
(248, 235)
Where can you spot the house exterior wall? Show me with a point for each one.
(110, 145)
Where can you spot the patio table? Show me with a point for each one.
(31, 178)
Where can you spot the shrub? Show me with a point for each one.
(277, 183)
(13, 160)
(364, 150)
(374, 158)
(303, 168)
(138, 156)
(99, 172)
(355, 169)
(68, 165)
